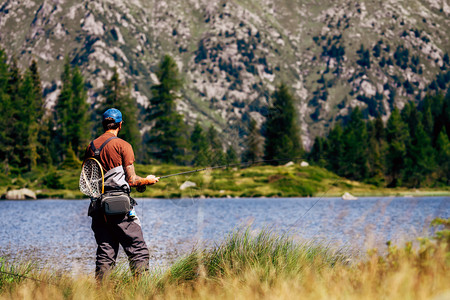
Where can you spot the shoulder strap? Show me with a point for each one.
(97, 151)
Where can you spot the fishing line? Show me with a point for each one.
(249, 163)
(317, 201)
(245, 164)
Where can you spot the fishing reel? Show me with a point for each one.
(141, 188)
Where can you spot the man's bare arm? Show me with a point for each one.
(135, 180)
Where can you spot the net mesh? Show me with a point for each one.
(91, 180)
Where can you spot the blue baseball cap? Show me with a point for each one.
(113, 113)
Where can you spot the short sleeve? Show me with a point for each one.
(127, 155)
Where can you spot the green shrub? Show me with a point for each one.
(53, 181)
(19, 182)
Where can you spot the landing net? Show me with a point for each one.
(91, 178)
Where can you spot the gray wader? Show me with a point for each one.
(110, 231)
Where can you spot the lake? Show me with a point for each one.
(49, 231)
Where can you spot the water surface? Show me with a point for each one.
(58, 233)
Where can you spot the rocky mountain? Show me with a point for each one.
(335, 55)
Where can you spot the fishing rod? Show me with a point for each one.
(228, 166)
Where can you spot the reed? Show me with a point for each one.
(264, 265)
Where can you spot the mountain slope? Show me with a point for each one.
(334, 54)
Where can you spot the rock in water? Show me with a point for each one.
(187, 184)
(348, 196)
(21, 194)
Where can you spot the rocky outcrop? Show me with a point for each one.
(21, 194)
(233, 55)
(348, 196)
(187, 184)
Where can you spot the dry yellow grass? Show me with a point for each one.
(261, 267)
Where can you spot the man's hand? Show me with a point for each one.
(152, 179)
(136, 181)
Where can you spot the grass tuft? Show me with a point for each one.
(260, 265)
(244, 250)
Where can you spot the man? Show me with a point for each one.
(117, 157)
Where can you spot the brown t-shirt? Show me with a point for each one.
(116, 153)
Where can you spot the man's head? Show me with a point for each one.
(112, 119)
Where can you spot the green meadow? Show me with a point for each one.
(255, 181)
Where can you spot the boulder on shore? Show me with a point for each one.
(187, 184)
(348, 196)
(22, 194)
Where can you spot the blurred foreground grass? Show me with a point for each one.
(255, 181)
(261, 265)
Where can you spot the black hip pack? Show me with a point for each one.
(116, 203)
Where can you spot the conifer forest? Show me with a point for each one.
(410, 148)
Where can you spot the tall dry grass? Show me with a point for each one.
(263, 266)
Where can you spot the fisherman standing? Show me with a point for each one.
(114, 221)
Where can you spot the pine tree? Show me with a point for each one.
(436, 106)
(27, 124)
(14, 126)
(335, 149)
(443, 156)
(37, 90)
(376, 146)
(231, 157)
(254, 143)
(43, 130)
(419, 160)
(61, 118)
(281, 130)
(216, 156)
(4, 73)
(6, 108)
(168, 136)
(446, 113)
(427, 121)
(71, 126)
(78, 127)
(14, 81)
(117, 95)
(199, 146)
(355, 147)
(318, 152)
(20, 129)
(396, 136)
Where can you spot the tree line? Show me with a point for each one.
(36, 136)
(412, 149)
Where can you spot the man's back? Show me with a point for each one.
(115, 156)
(116, 152)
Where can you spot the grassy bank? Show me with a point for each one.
(256, 181)
(261, 265)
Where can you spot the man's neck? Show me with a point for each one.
(113, 131)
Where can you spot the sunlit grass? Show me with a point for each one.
(260, 265)
(255, 181)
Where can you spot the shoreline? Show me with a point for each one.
(254, 182)
(70, 195)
